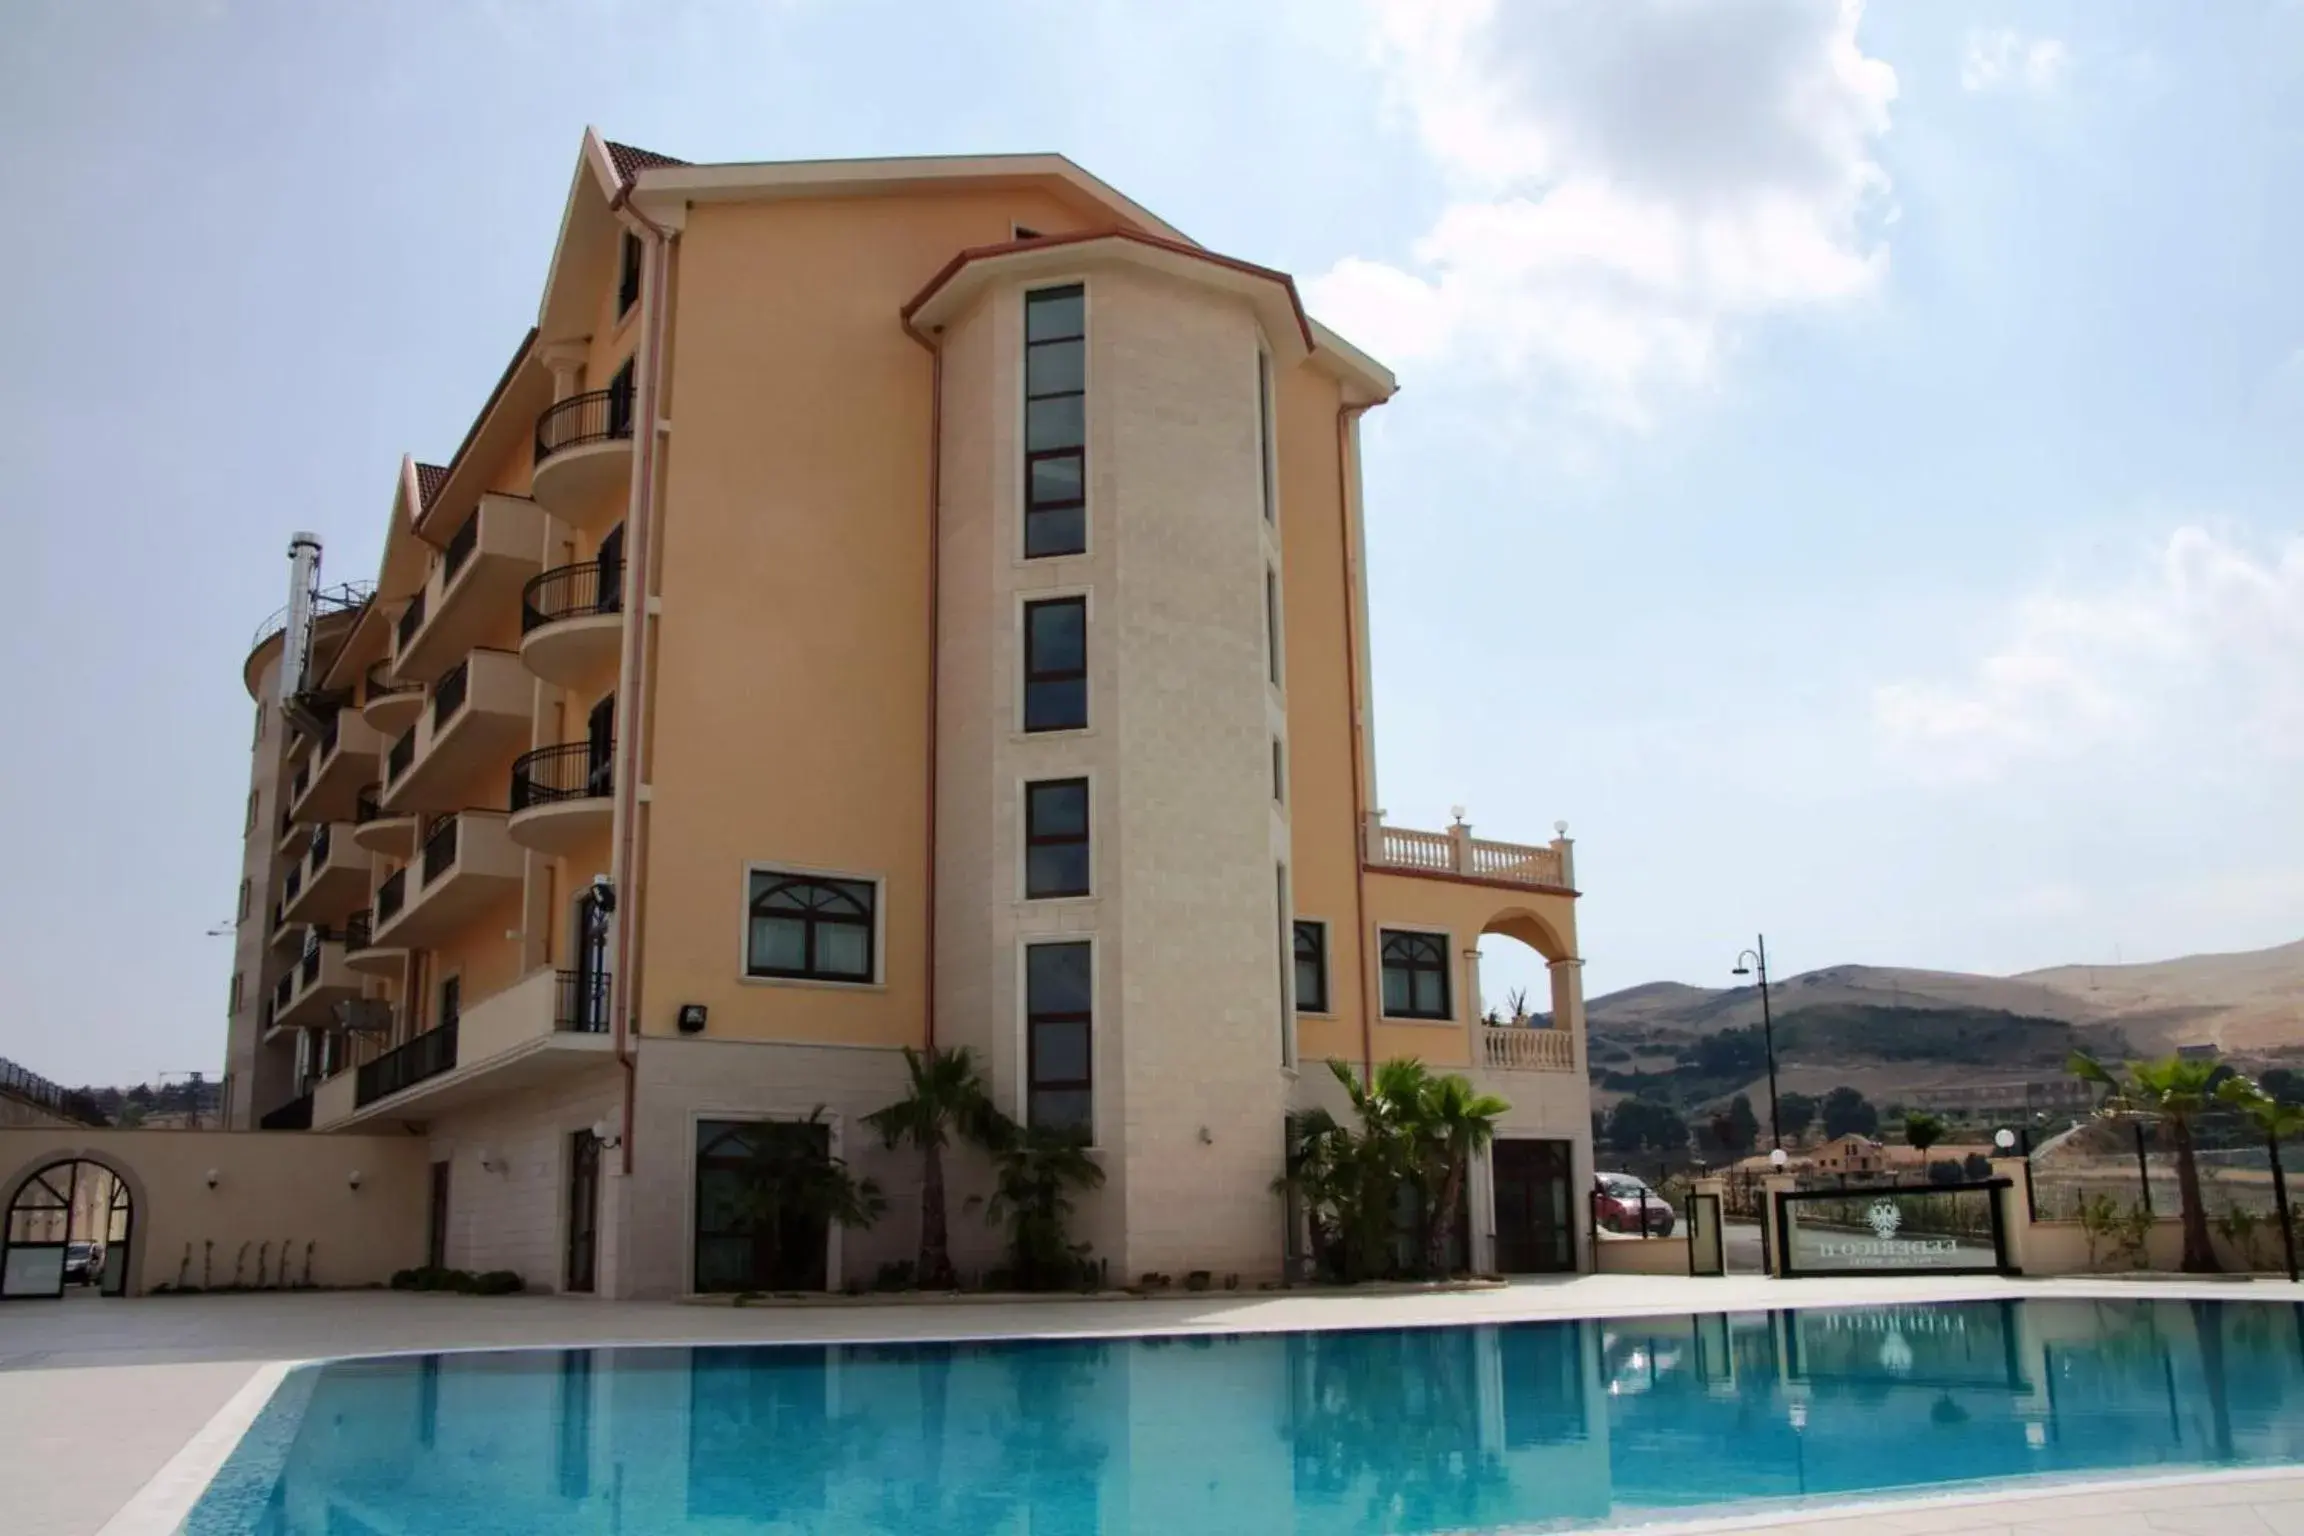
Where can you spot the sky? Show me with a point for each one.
(1846, 467)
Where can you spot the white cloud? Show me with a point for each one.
(1998, 59)
(2197, 652)
(1630, 181)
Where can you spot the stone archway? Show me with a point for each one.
(57, 1202)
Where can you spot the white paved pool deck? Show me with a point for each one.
(114, 1413)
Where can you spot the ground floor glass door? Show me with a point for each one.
(1535, 1222)
(436, 1227)
(583, 1210)
(754, 1230)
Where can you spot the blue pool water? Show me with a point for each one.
(1419, 1430)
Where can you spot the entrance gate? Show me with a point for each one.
(69, 1204)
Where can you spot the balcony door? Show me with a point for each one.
(1535, 1216)
(611, 578)
(590, 1011)
(600, 747)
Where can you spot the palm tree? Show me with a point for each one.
(1034, 1174)
(1375, 1161)
(947, 1096)
(1454, 1121)
(791, 1174)
(2275, 1120)
(1316, 1178)
(2170, 1092)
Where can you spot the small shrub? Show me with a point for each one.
(894, 1275)
(1197, 1280)
(1945, 1170)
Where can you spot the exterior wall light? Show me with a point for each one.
(692, 1018)
(1778, 1158)
(353, 1179)
(214, 1178)
(605, 1133)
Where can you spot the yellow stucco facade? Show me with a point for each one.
(729, 608)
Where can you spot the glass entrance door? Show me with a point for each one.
(583, 1209)
(1535, 1225)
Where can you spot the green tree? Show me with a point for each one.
(1453, 1122)
(1743, 1126)
(2278, 1120)
(2170, 1093)
(1318, 1178)
(1034, 1174)
(791, 1173)
(1795, 1112)
(1922, 1131)
(1637, 1124)
(946, 1098)
(1848, 1113)
(2282, 1084)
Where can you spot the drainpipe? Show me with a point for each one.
(1345, 416)
(631, 682)
(935, 636)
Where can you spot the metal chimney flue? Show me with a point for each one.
(296, 639)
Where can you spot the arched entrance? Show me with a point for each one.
(68, 1225)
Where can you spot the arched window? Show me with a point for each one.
(808, 927)
(1415, 975)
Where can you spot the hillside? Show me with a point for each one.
(1894, 1032)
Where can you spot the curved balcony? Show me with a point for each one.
(361, 951)
(380, 832)
(387, 704)
(583, 453)
(562, 796)
(572, 621)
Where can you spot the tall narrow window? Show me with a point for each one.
(810, 929)
(243, 901)
(1415, 975)
(1281, 953)
(259, 724)
(1279, 772)
(251, 826)
(1055, 422)
(235, 1004)
(1272, 625)
(451, 1000)
(1056, 664)
(1056, 838)
(628, 276)
(1264, 445)
(1311, 967)
(1059, 1012)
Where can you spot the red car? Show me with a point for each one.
(1620, 1202)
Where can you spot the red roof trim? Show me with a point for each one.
(973, 254)
(429, 494)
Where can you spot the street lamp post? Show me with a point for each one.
(1758, 959)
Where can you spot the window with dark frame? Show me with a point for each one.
(1415, 972)
(451, 1001)
(243, 901)
(628, 276)
(1056, 853)
(810, 927)
(1279, 772)
(1055, 422)
(235, 1006)
(1283, 953)
(1264, 434)
(1272, 625)
(1059, 1017)
(1311, 966)
(251, 826)
(1056, 664)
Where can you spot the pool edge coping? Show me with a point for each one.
(168, 1497)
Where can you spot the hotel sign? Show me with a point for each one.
(1925, 1229)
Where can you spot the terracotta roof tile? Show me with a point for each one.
(630, 162)
(429, 480)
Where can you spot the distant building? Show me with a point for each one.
(2007, 1096)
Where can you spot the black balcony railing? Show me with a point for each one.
(283, 991)
(594, 417)
(580, 1003)
(279, 915)
(440, 848)
(295, 1115)
(326, 602)
(574, 770)
(572, 592)
(449, 694)
(391, 896)
(411, 620)
(293, 886)
(382, 684)
(428, 1055)
(366, 807)
(308, 970)
(461, 544)
(403, 753)
(359, 931)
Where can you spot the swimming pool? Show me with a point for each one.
(1410, 1430)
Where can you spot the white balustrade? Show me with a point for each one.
(1513, 1048)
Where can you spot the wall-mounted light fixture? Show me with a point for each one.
(214, 1178)
(490, 1162)
(353, 1179)
(606, 1133)
(691, 1018)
